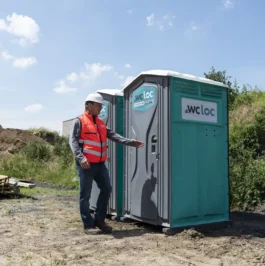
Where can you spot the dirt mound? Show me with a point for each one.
(12, 140)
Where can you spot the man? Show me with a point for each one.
(88, 142)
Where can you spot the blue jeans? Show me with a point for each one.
(99, 173)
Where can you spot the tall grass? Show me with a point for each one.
(43, 162)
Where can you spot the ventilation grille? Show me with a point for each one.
(211, 92)
(184, 87)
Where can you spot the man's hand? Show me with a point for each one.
(85, 164)
(137, 143)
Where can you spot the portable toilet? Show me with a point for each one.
(112, 114)
(180, 178)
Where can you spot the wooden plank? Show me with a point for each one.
(3, 178)
(14, 181)
(28, 185)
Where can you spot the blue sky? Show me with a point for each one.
(53, 53)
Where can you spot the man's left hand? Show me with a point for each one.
(137, 143)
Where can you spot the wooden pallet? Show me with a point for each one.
(6, 187)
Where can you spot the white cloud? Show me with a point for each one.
(6, 56)
(19, 62)
(127, 66)
(194, 26)
(72, 77)
(150, 20)
(94, 71)
(34, 108)
(228, 4)
(162, 23)
(63, 88)
(91, 72)
(23, 27)
(24, 62)
(127, 81)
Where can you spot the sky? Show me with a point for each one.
(54, 53)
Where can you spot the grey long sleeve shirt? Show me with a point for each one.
(75, 134)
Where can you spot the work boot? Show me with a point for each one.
(103, 227)
(89, 229)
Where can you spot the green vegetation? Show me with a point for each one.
(38, 191)
(41, 161)
(247, 142)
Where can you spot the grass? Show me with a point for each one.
(40, 161)
(51, 172)
(37, 191)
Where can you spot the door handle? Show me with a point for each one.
(154, 142)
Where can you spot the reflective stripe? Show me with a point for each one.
(95, 152)
(94, 143)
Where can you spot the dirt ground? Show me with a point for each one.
(47, 231)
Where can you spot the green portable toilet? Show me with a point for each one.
(180, 178)
(112, 115)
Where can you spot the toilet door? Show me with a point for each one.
(143, 162)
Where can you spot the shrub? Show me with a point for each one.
(37, 151)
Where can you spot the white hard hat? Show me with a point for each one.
(94, 97)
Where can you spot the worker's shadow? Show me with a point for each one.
(148, 205)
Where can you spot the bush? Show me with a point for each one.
(247, 180)
(247, 145)
(37, 151)
(49, 136)
(63, 151)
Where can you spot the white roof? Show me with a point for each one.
(111, 92)
(179, 75)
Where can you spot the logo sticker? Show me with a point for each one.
(199, 110)
(143, 98)
(104, 112)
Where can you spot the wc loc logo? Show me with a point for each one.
(143, 98)
(200, 110)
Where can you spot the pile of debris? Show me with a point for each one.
(12, 140)
(6, 187)
(10, 185)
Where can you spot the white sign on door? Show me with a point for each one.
(199, 110)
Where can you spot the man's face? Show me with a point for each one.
(95, 108)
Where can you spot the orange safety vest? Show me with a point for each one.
(93, 138)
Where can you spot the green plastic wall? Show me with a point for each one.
(199, 155)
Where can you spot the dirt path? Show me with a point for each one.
(47, 231)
